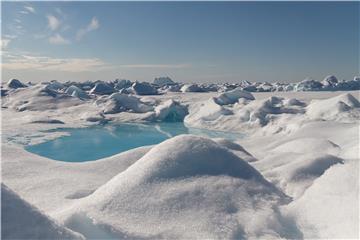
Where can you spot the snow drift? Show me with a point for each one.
(344, 107)
(191, 183)
(20, 220)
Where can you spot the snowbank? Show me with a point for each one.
(233, 96)
(20, 220)
(329, 209)
(39, 98)
(119, 102)
(344, 107)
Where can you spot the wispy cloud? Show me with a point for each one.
(4, 43)
(185, 65)
(93, 25)
(30, 9)
(53, 22)
(44, 63)
(58, 39)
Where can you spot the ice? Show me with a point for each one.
(293, 175)
(76, 92)
(102, 88)
(171, 111)
(14, 83)
(143, 88)
(163, 81)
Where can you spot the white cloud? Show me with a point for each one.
(4, 43)
(43, 63)
(93, 25)
(53, 22)
(156, 65)
(58, 39)
(30, 9)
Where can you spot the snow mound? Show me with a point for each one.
(329, 209)
(191, 183)
(233, 96)
(118, 102)
(102, 88)
(38, 98)
(171, 111)
(20, 220)
(237, 149)
(305, 145)
(294, 173)
(143, 88)
(208, 111)
(190, 88)
(243, 115)
(342, 108)
(14, 83)
(74, 91)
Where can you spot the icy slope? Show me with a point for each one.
(20, 220)
(186, 187)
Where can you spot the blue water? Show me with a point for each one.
(92, 143)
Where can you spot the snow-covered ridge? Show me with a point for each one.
(165, 84)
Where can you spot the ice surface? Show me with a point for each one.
(294, 175)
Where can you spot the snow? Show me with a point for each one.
(21, 220)
(294, 175)
(74, 91)
(143, 88)
(190, 88)
(330, 207)
(186, 182)
(118, 102)
(233, 96)
(171, 111)
(341, 108)
(102, 88)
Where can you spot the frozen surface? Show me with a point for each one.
(295, 175)
(92, 143)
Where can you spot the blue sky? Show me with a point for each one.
(188, 41)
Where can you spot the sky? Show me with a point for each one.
(187, 41)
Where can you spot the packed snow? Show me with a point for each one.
(294, 175)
